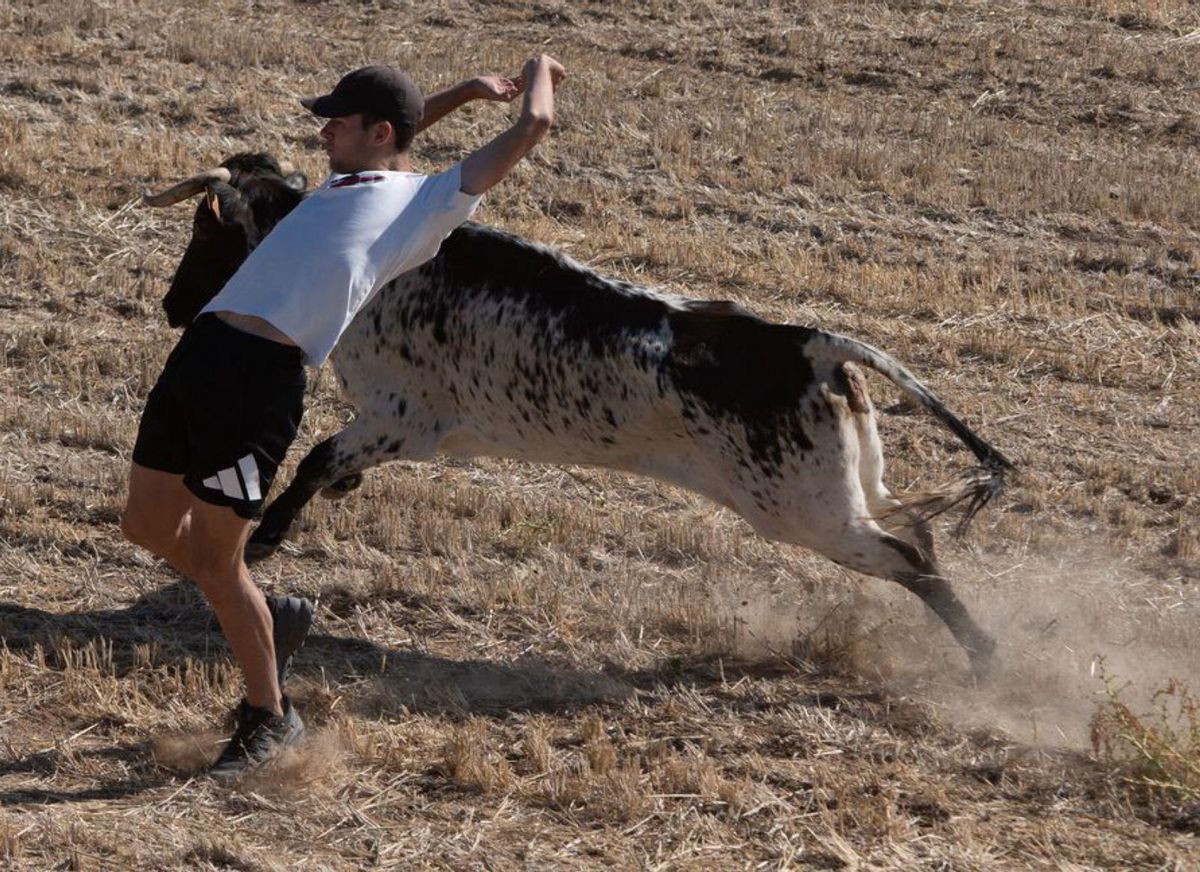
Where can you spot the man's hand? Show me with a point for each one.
(490, 164)
(556, 70)
(497, 88)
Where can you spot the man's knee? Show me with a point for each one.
(216, 536)
(216, 573)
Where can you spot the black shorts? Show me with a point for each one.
(223, 414)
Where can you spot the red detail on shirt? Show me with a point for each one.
(355, 179)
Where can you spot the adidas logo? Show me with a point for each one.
(230, 481)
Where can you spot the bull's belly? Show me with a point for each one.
(465, 412)
(792, 508)
(665, 454)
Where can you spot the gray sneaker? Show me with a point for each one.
(291, 617)
(261, 736)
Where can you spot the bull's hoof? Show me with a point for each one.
(983, 660)
(342, 486)
(261, 546)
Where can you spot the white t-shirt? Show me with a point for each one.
(333, 252)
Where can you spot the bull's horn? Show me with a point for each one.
(187, 188)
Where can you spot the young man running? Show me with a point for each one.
(217, 424)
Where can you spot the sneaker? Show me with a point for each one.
(260, 736)
(291, 617)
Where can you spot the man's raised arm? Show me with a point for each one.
(488, 165)
(441, 104)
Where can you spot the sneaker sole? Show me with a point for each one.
(229, 774)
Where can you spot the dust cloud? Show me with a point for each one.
(1063, 623)
(316, 764)
(1071, 629)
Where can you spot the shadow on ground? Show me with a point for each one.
(45, 764)
(177, 624)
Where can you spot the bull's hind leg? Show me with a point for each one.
(891, 514)
(882, 507)
(857, 541)
(867, 548)
(340, 457)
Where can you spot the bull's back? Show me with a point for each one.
(514, 351)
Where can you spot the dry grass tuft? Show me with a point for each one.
(537, 748)
(1156, 752)
(468, 760)
(223, 853)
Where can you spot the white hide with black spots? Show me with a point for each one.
(499, 347)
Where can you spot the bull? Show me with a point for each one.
(502, 347)
(244, 198)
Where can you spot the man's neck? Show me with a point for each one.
(395, 162)
(400, 163)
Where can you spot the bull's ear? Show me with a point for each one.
(297, 181)
(226, 204)
(213, 202)
(230, 208)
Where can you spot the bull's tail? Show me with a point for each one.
(982, 483)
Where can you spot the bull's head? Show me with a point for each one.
(244, 198)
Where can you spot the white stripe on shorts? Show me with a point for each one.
(229, 484)
(250, 476)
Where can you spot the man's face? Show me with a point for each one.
(349, 146)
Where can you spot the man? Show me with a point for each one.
(229, 400)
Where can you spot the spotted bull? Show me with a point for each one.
(501, 347)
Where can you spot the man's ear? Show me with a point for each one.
(382, 132)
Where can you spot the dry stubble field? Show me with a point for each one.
(549, 667)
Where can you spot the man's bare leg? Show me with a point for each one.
(158, 515)
(216, 538)
(205, 543)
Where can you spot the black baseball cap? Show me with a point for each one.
(382, 91)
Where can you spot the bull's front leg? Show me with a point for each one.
(311, 476)
(369, 441)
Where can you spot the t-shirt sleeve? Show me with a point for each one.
(438, 208)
